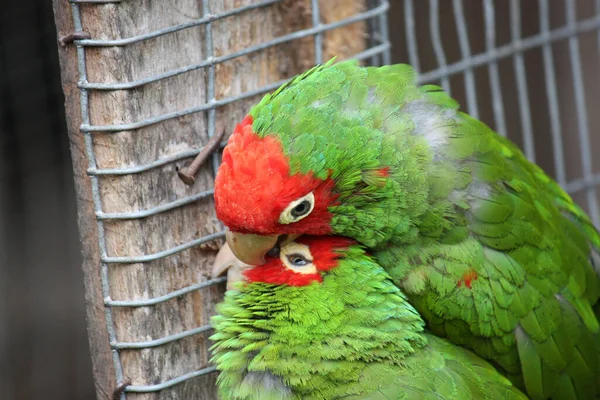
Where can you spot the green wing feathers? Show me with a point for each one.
(515, 276)
(441, 371)
(490, 251)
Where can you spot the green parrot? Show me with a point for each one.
(324, 321)
(491, 252)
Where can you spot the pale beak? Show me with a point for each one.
(241, 247)
(249, 248)
(252, 249)
(226, 261)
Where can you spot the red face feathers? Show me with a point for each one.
(254, 192)
(301, 262)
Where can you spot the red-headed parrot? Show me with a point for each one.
(324, 321)
(492, 253)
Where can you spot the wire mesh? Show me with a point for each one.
(578, 19)
(377, 52)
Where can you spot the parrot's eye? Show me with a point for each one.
(298, 209)
(298, 260)
(297, 257)
(301, 209)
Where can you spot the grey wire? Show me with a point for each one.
(164, 253)
(159, 342)
(436, 40)
(171, 382)
(384, 35)
(590, 24)
(316, 21)
(161, 299)
(550, 78)
(582, 184)
(155, 210)
(252, 49)
(519, 65)
(582, 117)
(411, 36)
(465, 50)
(177, 114)
(490, 36)
(207, 18)
(210, 90)
(151, 165)
(85, 117)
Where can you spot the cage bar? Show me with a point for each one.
(85, 117)
(519, 64)
(411, 36)
(253, 49)
(490, 45)
(465, 50)
(507, 50)
(436, 39)
(582, 117)
(550, 78)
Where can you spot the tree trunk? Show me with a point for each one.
(160, 185)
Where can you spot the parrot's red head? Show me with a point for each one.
(254, 192)
(335, 150)
(301, 262)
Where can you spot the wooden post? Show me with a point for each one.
(160, 185)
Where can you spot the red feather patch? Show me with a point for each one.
(325, 256)
(384, 172)
(324, 249)
(253, 186)
(276, 273)
(468, 279)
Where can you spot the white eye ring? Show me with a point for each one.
(298, 209)
(297, 257)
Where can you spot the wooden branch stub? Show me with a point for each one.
(71, 37)
(188, 174)
(121, 388)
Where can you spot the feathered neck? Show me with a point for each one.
(316, 336)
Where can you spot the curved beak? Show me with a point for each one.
(251, 249)
(234, 255)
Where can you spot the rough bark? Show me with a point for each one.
(102, 364)
(161, 185)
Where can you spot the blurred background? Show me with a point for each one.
(43, 345)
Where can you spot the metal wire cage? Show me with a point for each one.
(489, 70)
(527, 68)
(376, 51)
